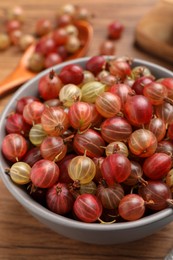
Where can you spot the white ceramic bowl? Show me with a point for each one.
(91, 233)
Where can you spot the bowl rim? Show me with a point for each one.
(45, 213)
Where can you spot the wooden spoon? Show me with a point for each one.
(154, 33)
(21, 74)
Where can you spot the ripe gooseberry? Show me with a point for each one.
(156, 92)
(90, 142)
(165, 112)
(131, 207)
(142, 143)
(138, 110)
(120, 68)
(89, 187)
(96, 64)
(16, 124)
(43, 27)
(135, 174)
(110, 197)
(115, 129)
(49, 86)
(80, 115)
(168, 83)
(108, 104)
(44, 173)
(53, 148)
(116, 147)
(54, 121)
(140, 82)
(59, 199)
(63, 167)
(107, 48)
(87, 208)
(123, 91)
(170, 131)
(115, 30)
(157, 127)
(23, 101)
(157, 165)
(32, 156)
(115, 168)
(32, 112)
(156, 194)
(14, 147)
(71, 74)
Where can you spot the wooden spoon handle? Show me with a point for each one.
(16, 78)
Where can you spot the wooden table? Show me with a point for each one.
(23, 237)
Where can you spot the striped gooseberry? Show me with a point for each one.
(53, 148)
(156, 194)
(37, 134)
(82, 169)
(96, 64)
(54, 121)
(91, 90)
(69, 94)
(32, 156)
(115, 129)
(59, 199)
(80, 115)
(32, 112)
(115, 168)
(20, 173)
(23, 101)
(138, 110)
(16, 124)
(156, 92)
(49, 86)
(158, 127)
(165, 112)
(131, 207)
(89, 141)
(120, 67)
(108, 104)
(116, 147)
(123, 91)
(71, 74)
(14, 147)
(63, 167)
(142, 143)
(157, 165)
(110, 196)
(44, 173)
(87, 208)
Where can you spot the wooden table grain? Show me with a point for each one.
(22, 236)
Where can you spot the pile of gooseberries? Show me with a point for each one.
(56, 38)
(96, 143)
